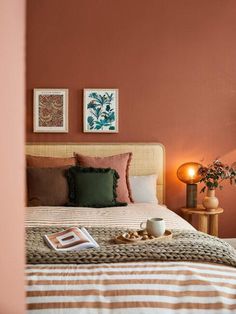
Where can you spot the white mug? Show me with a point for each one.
(154, 226)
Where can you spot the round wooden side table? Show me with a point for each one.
(208, 221)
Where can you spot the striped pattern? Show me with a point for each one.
(115, 288)
(129, 216)
(129, 288)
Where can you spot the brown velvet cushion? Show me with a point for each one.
(45, 162)
(47, 186)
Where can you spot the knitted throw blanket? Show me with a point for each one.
(184, 246)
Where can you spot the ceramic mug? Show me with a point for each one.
(154, 226)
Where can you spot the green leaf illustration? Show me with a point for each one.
(90, 121)
(102, 115)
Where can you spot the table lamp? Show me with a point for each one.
(188, 173)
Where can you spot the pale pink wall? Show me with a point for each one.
(12, 82)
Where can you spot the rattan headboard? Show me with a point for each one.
(147, 158)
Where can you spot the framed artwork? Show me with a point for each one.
(101, 110)
(50, 110)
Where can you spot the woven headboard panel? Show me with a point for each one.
(147, 158)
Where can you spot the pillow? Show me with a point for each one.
(47, 186)
(92, 187)
(144, 188)
(120, 163)
(45, 162)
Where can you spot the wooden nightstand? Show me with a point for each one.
(207, 220)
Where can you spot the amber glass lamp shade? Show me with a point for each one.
(188, 173)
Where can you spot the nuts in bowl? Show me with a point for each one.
(145, 236)
(140, 236)
(131, 236)
(137, 236)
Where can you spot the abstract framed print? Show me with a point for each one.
(101, 110)
(50, 110)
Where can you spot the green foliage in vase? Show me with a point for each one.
(213, 174)
(101, 113)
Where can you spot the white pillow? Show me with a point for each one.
(143, 188)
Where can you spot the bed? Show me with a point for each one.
(145, 286)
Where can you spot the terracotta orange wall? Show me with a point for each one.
(173, 62)
(12, 82)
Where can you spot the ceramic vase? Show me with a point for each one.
(210, 201)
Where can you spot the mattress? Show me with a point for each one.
(137, 287)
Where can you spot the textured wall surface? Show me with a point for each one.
(173, 62)
(12, 82)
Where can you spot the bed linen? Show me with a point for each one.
(130, 216)
(140, 287)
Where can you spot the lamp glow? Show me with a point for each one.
(191, 172)
(188, 173)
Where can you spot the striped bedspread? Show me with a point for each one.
(132, 288)
(127, 288)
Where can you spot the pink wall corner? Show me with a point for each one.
(12, 82)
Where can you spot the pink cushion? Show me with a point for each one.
(118, 162)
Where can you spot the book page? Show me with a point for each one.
(89, 237)
(71, 239)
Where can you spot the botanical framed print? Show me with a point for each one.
(50, 110)
(101, 110)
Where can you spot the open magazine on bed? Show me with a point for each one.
(71, 239)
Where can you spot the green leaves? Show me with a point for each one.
(90, 121)
(102, 115)
(215, 173)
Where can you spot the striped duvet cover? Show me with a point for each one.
(144, 287)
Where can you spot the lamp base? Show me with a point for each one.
(191, 195)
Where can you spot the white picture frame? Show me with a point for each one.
(101, 113)
(50, 110)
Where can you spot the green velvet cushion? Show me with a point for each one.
(92, 187)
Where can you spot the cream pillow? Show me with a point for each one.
(143, 188)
